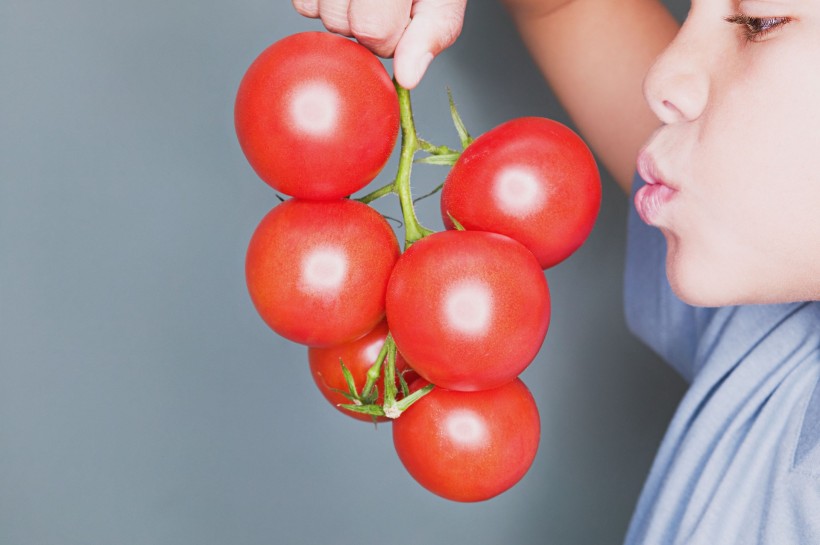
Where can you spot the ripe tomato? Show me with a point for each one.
(317, 271)
(317, 116)
(358, 356)
(468, 309)
(532, 179)
(469, 446)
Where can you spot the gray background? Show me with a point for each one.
(142, 400)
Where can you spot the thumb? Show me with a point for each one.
(434, 26)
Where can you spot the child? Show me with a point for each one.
(723, 256)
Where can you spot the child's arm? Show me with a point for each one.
(594, 54)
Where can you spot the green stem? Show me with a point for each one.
(402, 405)
(409, 146)
(391, 407)
(378, 193)
(435, 150)
(390, 390)
(375, 370)
(438, 188)
(385, 363)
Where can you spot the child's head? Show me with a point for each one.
(740, 102)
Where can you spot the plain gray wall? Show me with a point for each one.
(143, 401)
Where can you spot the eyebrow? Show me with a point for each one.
(775, 2)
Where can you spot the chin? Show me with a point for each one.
(698, 296)
(697, 283)
(712, 276)
(701, 285)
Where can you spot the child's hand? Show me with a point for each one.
(411, 31)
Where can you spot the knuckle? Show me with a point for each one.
(334, 17)
(372, 33)
(335, 24)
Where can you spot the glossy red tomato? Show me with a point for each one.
(532, 179)
(317, 271)
(317, 116)
(468, 309)
(358, 356)
(469, 446)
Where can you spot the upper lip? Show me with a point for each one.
(648, 170)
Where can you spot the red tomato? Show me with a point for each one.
(469, 446)
(468, 309)
(317, 116)
(358, 357)
(317, 271)
(532, 179)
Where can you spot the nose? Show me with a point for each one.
(677, 85)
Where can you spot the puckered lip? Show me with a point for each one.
(649, 172)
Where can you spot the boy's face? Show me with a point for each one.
(741, 145)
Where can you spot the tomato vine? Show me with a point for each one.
(464, 311)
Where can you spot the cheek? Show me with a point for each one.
(750, 232)
(747, 229)
(755, 184)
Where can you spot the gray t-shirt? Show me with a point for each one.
(740, 462)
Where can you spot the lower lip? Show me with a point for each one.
(650, 201)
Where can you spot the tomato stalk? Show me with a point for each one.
(413, 230)
(378, 193)
(375, 370)
(385, 364)
(432, 149)
(463, 134)
(438, 188)
(406, 401)
(391, 407)
(411, 143)
(390, 391)
(443, 155)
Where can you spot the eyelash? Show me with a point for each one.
(756, 28)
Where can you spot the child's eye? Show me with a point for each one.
(756, 28)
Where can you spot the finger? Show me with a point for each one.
(334, 16)
(434, 26)
(308, 8)
(378, 24)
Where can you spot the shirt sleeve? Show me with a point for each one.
(654, 314)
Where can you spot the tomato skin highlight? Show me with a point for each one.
(317, 116)
(532, 179)
(317, 271)
(468, 310)
(358, 356)
(469, 446)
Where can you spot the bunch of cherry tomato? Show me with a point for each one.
(432, 338)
